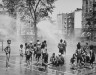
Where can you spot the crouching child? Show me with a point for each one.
(53, 59)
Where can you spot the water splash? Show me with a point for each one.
(8, 30)
(49, 32)
(7, 27)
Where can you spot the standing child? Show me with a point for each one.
(61, 46)
(28, 56)
(35, 51)
(45, 59)
(92, 56)
(25, 51)
(53, 59)
(7, 51)
(31, 50)
(38, 52)
(21, 53)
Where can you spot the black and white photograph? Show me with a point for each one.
(47, 37)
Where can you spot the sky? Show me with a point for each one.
(65, 6)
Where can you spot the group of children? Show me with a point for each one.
(36, 51)
(84, 54)
(57, 60)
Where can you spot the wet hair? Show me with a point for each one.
(25, 44)
(78, 45)
(44, 41)
(21, 46)
(61, 40)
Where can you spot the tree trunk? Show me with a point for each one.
(35, 33)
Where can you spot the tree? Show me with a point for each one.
(35, 9)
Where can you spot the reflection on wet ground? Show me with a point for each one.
(21, 69)
(16, 68)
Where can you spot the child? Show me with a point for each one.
(73, 59)
(7, 51)
(28, 56)
(31, 50)
(53, 59)
(35, 50)
(61, 59)
(92, 56)
(25, 51)
(45, 59)
(38, 52)
(21, 53)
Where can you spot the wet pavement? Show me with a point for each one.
(15, 68)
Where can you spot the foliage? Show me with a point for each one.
(10, 5)
(34, 9)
